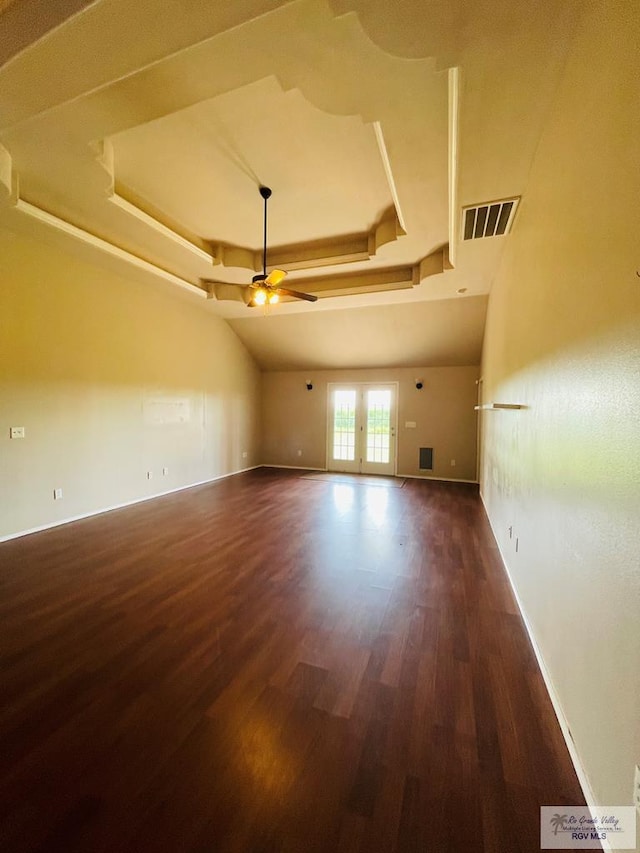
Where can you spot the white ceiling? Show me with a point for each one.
(140, 133)
(414, 334)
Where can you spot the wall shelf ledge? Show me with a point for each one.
(490, 407)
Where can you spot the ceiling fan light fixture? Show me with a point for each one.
(267, 287)
(260, 296)
(264, 289)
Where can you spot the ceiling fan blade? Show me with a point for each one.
(297, 295)
(275, 277)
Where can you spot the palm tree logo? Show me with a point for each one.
(557, 821)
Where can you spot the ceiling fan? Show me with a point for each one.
(266, 288)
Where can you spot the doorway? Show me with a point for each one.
(362, 428)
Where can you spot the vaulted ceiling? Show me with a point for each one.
(140, 133)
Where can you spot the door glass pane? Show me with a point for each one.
(378, 425)
(344, 424)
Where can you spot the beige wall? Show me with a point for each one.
(111, 379)
(563, 339)
(296, 419)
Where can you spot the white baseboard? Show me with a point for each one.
(581, 773)
(401, 476)
(62, 521)
(438, 479)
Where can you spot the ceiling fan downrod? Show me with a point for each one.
(267, 287)
(265, 192)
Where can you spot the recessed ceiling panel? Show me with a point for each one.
(202, 166)
(205, 101)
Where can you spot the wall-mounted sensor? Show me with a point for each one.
(309, 384)
(419, 384)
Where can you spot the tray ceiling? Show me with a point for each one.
(202, 164)
(373, 125)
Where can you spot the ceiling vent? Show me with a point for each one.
(489, 220)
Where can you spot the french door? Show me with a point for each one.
(362, 428)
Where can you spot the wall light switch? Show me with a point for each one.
(165, 471)
(16, 432)
(149, 475)
(409, 424)
(57, 494)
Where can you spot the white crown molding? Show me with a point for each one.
(102, 245)
(349, 284)
(123, 198)
(384, 156)
(399, 278)
(302, 256)
(152, 222)
(346, 249)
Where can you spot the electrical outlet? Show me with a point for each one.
(299, 453)
(16, 432)
(57, 494)
(453, 463)
(636, 788)
(244, 454)
(149, 475)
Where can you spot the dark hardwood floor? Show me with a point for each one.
(271, 663)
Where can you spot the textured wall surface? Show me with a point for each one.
(563, 339)
(296, 419)
(111, 379)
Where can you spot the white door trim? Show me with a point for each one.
(361, 387)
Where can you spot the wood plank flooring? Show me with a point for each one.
(272, 663)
